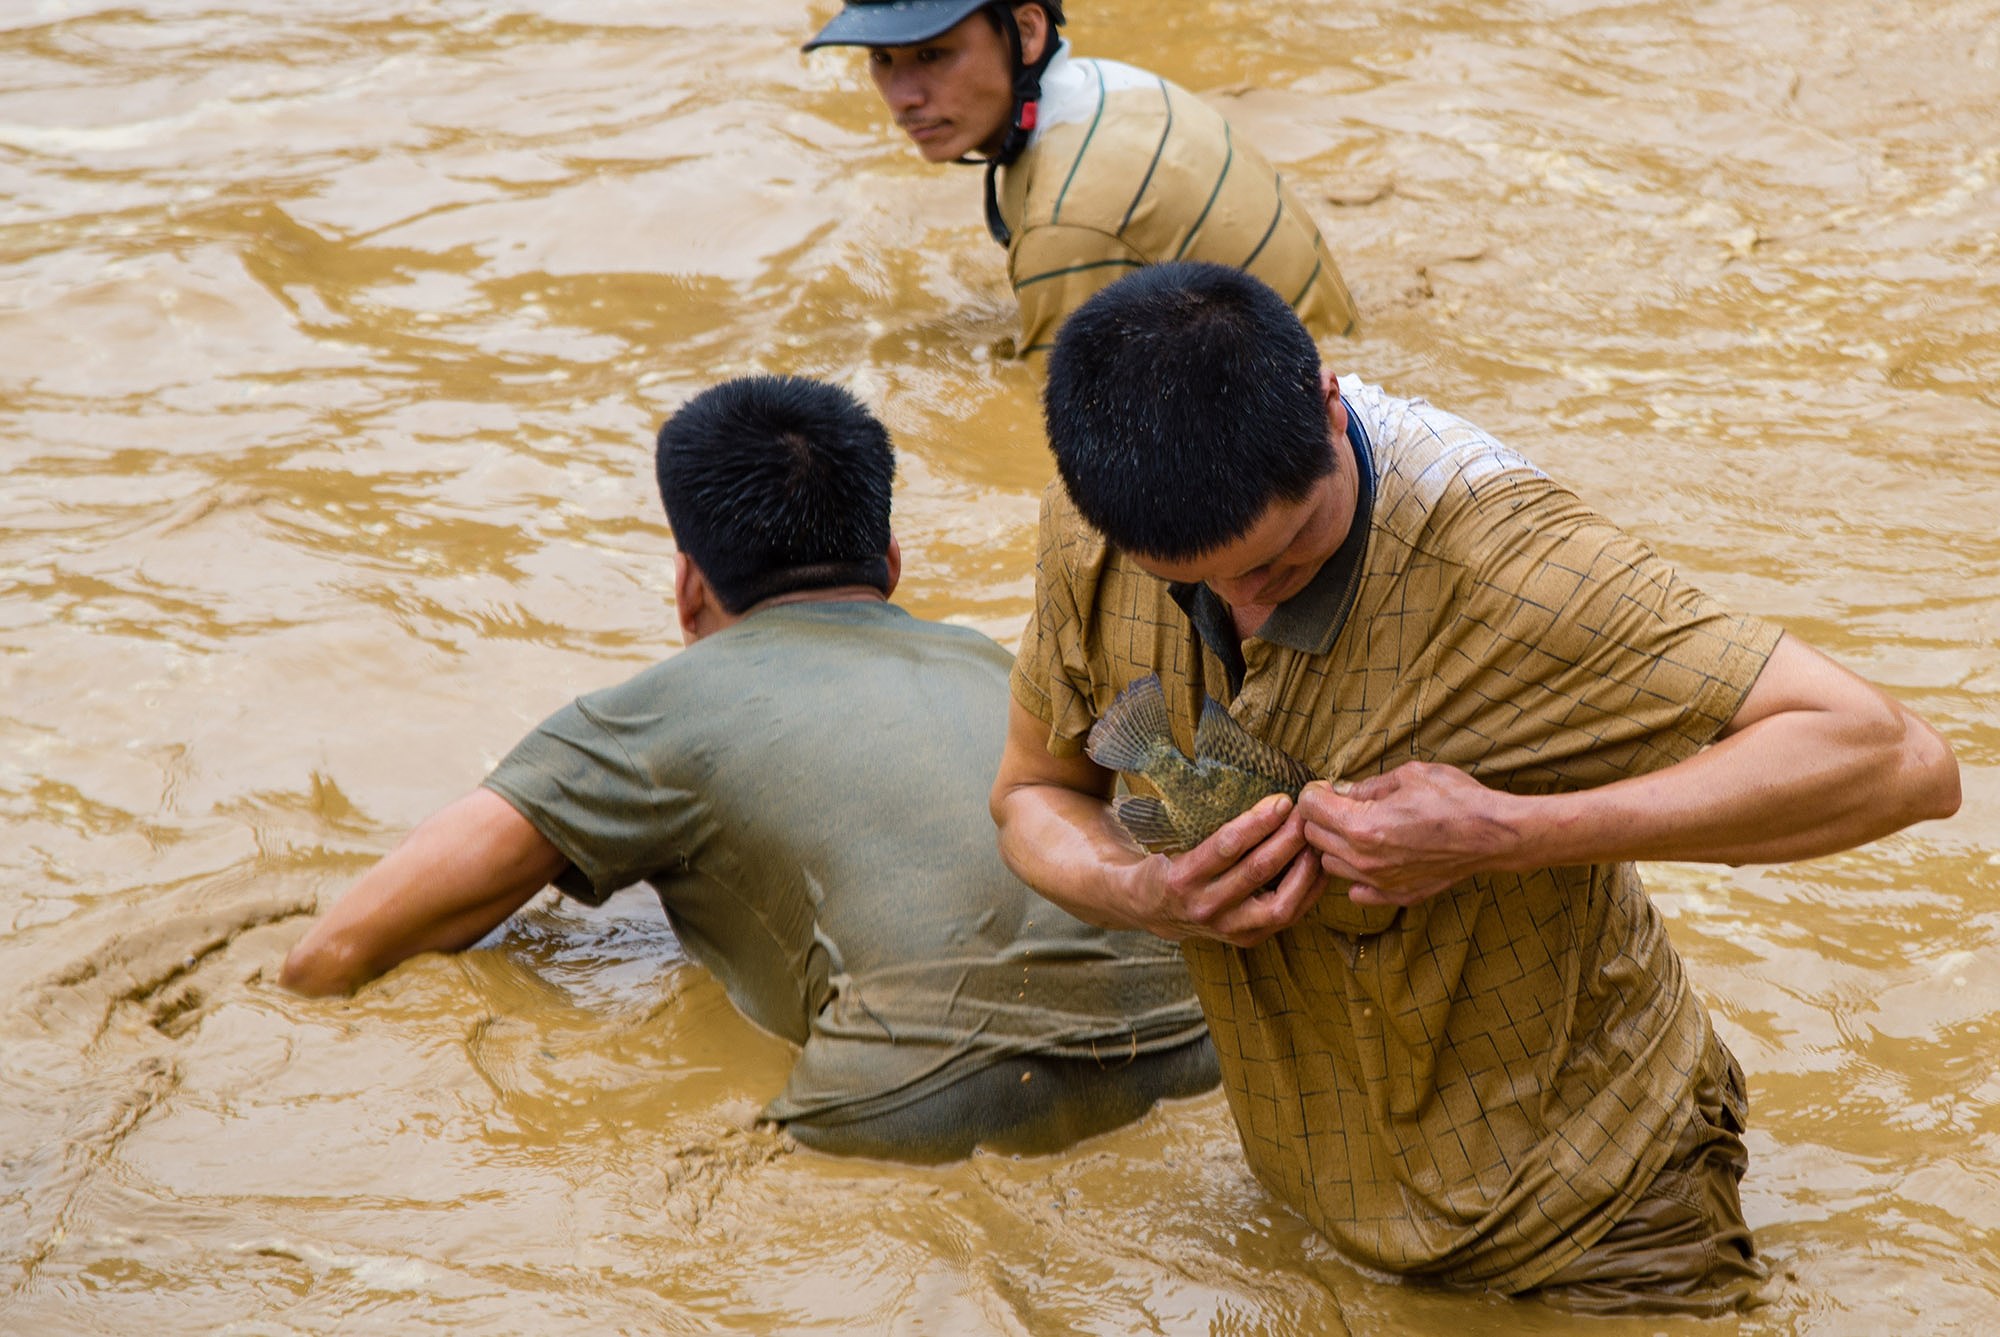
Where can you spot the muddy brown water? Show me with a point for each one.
(331, 341)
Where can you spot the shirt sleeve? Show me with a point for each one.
(1055, 268)
(1577, 656)
(1052, 674)
(576, 782)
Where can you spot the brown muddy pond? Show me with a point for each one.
(332, 339)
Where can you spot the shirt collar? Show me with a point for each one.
(1066, 94)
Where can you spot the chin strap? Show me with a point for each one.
(1021, 120)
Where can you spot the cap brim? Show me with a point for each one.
(893, 22)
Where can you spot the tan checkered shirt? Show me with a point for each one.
(1477, 1087)
(1130, 170)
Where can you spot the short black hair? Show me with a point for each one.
(1052, 9)
(778, 483)
(1182, 402)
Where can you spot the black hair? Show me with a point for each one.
(1052, 8)
(778, 483)
(1182, 402)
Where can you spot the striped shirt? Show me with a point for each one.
(1127, 169)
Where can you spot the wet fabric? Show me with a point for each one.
(1684, 1246)
(1479, 1087)
(1028, 1105)
(1127, 169)
(806, 791)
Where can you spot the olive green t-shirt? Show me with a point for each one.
(1127, 170)
(1476, 1087)
(807, 792)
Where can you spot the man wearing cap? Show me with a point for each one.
(1093, 168)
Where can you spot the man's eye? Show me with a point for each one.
(930, 54)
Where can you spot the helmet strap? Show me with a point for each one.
(1021, 118)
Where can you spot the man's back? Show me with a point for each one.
(807, 793)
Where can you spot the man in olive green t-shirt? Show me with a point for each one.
(804, 787)
(1452, 1029)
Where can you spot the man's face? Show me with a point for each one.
(951, 95)
(1274, 559)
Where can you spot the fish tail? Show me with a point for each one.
(1133, 728)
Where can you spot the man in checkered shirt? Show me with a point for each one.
(1452, 1030)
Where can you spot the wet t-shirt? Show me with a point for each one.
(807, 792)
(1476, 1087)
(1127, 169)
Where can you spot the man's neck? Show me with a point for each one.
(714, 618)
(831, 594)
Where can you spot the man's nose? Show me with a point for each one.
(904, 89)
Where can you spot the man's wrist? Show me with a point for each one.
(1545, 830)
(1123, 887)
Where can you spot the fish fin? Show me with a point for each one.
(1133, 728)
(1150, 825)
(1221, 738)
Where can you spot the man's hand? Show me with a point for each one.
(1058, 834)
(1217, 889)
(1406, 835)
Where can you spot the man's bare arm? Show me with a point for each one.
(1059, 836)
(451, 882)
(1816, 760)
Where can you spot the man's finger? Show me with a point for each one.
(1207, 901)
(1361, 895)
(1341, 866)
(1240, 834)
(1299, 891)
(1370, 788)
(1364, 894)
(1250, 875)
(1258, 917)
(1329, 806)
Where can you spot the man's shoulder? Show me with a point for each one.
(1425, 457)
(821, 646)
(806, 643)
(1068, 539)
(1115, 131)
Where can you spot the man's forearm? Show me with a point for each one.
(1816, 761)
(1793, 786)
(455, 879)
(1069, 848)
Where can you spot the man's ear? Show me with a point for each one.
(895, 559)
(1033, 21)
(1336, 407)
(691, 596)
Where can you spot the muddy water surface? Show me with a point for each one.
(331, 341)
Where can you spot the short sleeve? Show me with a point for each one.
(1055, 268)
(1578, 656)
(1052, 678)
(577, 783)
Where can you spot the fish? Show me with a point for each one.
(1230, 771)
